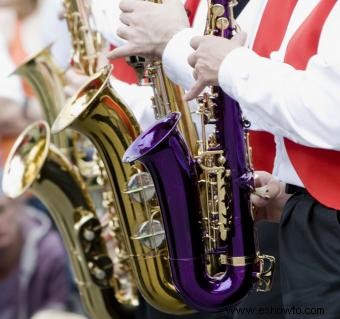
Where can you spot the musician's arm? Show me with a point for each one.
(178, 49)
(300, 105)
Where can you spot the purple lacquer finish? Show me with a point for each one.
(163, 151)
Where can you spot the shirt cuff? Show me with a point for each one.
(235, 70)
(106, 20)
(175, 58)
(138, 99)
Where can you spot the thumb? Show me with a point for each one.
(268, 191)
(195, 41)
(240, 38)
(122, 51)
(262, 178)
(194, 91)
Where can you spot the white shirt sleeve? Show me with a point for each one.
(106, 19)
(138, 99)
(54, 31)
(175, 58)
(10, 85)
(300, 105)
(178, 49)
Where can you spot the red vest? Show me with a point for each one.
(263, 143)
(191, 7)
(317, 168)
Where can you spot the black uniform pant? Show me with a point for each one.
(309, 246)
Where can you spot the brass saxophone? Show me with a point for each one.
(46, 79)
(167, 96)
(35, 164)
(97, 111)
(86, 47)
(86, 42)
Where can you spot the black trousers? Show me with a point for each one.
(145, 311)
(309, 243)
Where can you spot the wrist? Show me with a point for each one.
(181, 37)
(166, 39)
(175, 58)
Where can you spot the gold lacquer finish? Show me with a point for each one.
(97, 112)
(167, 97)
(46, 79)
(87, 46)
(35, 164)
(86, 42)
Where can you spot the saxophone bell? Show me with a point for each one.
(98, 112)
(37, 165)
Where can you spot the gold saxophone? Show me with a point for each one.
(37, 165)
(86, 42)
(97, 112)
(86, 47)
(167, 96)
(46, 79)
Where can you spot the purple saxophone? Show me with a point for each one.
(205, 199)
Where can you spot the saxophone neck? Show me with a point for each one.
(186, 124)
